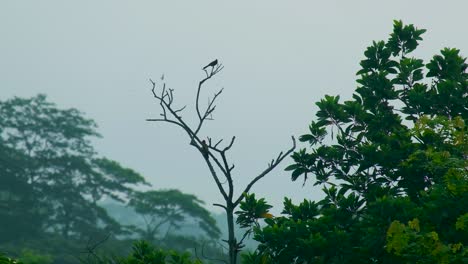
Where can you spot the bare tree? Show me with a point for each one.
(213, 153)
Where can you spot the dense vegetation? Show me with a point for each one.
(392, 161)
(53, 185)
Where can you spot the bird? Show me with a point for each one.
(204, 149)
(212, 64)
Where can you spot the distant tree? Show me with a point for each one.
(213, 153)
(164, 210)
(51, 177)
(392, 162)
(17, 198)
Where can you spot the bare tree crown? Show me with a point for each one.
(213, 152)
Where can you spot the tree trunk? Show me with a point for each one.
(232, 242)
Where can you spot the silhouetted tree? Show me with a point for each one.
(213, 153)
(170, 209)
(51, 177)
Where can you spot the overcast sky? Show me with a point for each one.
(280, 57)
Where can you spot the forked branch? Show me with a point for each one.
(214, 154)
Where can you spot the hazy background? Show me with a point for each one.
(280, 57)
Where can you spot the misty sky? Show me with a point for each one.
(280, 57)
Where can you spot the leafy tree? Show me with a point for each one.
(392, 163)
(169, 209)
(51, 175)
(213, 152)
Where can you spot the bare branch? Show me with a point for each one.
(220, 205)
(162, 120)
(228, 175)
(180, 110)
(223, 170)
(216, 145)
(165, 100)
(246, 234)
(210, 108)
(91, 249)
(215, 176)
(267, 170)
(210, 258)
(230, 144)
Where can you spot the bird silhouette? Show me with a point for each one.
(212, 64)
(205, 150)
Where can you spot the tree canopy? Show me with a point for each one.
(53, 171)
(392, 161)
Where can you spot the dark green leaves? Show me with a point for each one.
(303, 211)
(317, 133)
(410, 71)
(251, 211)
(145, 253)
(378, 169)
(404, 38)
(330, 110)
(448, 65)
(377, 59)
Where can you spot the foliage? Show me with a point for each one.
(142, 253)
(145, 253)
(32, 257)
(6, 260)
(251, 210)
(170, 208)
(415, 246)
(392, 163)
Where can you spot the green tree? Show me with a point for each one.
(392, 163)
(169, 209)
(51, 176)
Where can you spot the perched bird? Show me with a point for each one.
(204, 148)
(212, 64)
